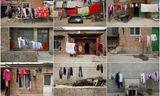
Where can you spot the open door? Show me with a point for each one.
(47, 85)
(43, 37)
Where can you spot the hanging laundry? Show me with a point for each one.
(83, 11)
(34, 73)
(56, 14)
(117, 79)
(80, 72)
(148, 40)
(26, 71)
(70, 72)
(24, 12)
(6, 75)
(136, 5)
(21, 42)
(17, 75)
(21, 75)
(36, 45)
(74, 4)
(64, 70)
(71, 12)
(110, 10)
(98, 67)
(59, 4)
(33, 13)
(60, 73)
(51, 8)
(121, 79)
(101, 68)
(143, 79)
(142, 39)
(153, 37)
(70, 48)
(125, 7)
(42, 12)
(95, 8)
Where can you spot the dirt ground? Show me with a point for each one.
(134, 22)
(26, 23)
(86, 22)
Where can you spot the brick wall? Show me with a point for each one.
(36, 85)
(131, 43)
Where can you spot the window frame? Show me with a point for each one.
(134, 31)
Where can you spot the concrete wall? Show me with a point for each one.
(36, 85)
(80, 91)
(130, 44)
(88, 69)
(131, 71)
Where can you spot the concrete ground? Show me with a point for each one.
(26, 23)
(31, 95)
(122, 94)
(125, 58)
(134, 22)
(86, 22)
(65, 58)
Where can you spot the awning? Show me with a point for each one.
(149, 7)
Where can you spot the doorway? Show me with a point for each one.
(43, 37)
(47, 85)
(136, 9)
(87, 48)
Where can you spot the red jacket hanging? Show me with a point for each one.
(6, 75)
(21, 75)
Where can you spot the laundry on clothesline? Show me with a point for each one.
(59, 4)
(149, 76)
(70, 48)
(74, 4)
(91, 9)
(31, 44)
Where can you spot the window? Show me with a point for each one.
(134, 31)
(57, 42)
(26, 33)
(47, 79)
(24, 82)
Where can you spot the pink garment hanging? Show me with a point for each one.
(6, 75)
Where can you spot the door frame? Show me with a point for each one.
(50, 82)
(44, 33)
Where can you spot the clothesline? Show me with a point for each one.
(147, 39)
(26, 42)
(39, 12)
